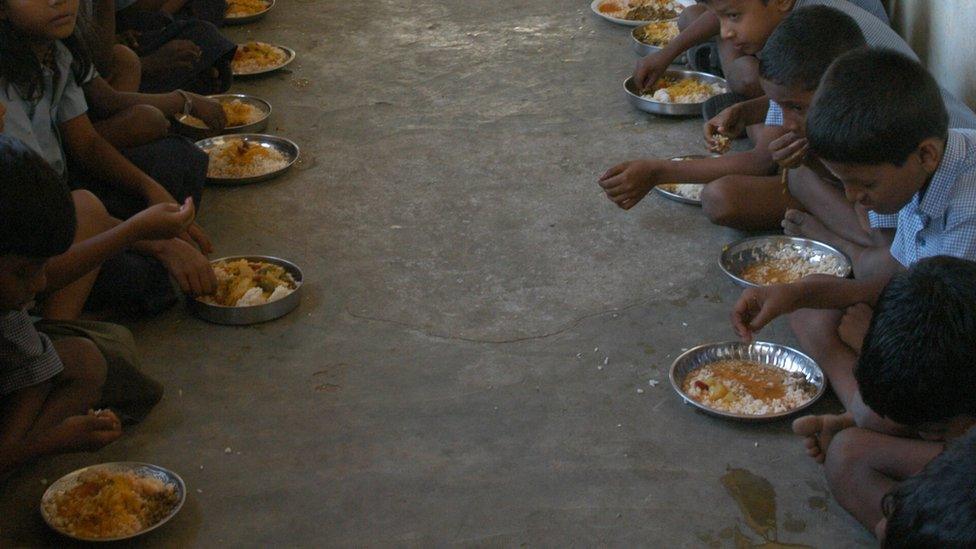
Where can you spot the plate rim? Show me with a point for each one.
(677, 197)
(747, 284)
(218, 96)
(181, 484)
(292, 54)
(746, 418)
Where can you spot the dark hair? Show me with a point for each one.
(20, 67)
(937, 507)
(801, 48)
(37, 214)
(875, 106)
(916, 363)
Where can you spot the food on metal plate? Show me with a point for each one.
(672, 89)
(658, 33)
(245, 283)
(749, 388)
(239, 158)
(245, 8)
(786, 263)
(107, 504)
(641, 10)
(238, 114)
(256, 57)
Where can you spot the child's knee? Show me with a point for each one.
(814, 326)
(689, 14)
(152, 122)
(719, 201)
(84, 364)
(846, 455)
(91, 214)
(125, 62)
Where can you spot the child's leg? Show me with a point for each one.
(817, 332)
(68, 302)
(863, 466)
(741, 71)
(690, 14)
(135, 126)
(831, 219)
(76, 389)
(747, 202)
(126, 69)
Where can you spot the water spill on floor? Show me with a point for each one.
(756, 499)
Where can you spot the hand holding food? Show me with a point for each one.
(209, 111)
(789, 150)
(650, 69)
(757, 307)
(161, 221)
(725, 126)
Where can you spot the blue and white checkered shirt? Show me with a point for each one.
(27, 356)
(774, 116)
(943, 220)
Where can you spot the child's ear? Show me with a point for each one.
(783, 5)
(930, 153)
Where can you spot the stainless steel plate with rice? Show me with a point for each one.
(744, 254)
(647, 104)
(255, 314)
(285, 148)
(289, 57)
(187, 128)
(679, 191)
(240, 20)
(644, 49)
(768, 354)
(146, 470)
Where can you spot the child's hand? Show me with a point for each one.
(728, 123)
(208, 110)
(130, 39)
(626, 184)
(86, 433)
(179, 54)
(188, 266)
(757, 307)
(162, 221)
(789, 150)
(650, 69)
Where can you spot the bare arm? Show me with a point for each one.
(706, 26)
(102, 160)
(107, 101)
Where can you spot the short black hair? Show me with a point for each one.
(801, 48)
(937, 507)
(875, 106)
(916, 363)
(37, 213)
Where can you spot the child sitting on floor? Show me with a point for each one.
(915, 369)
(47, 388)
(741, 189)
(42, 65)
(749, 23)
(891, 148)
(724, 56)
(937, 507)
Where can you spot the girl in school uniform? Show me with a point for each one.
(43, 65)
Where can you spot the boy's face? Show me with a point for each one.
(944, 431)
(887, 188)
(21, 279)
(42, 19)
(795, 102)
(748, 23)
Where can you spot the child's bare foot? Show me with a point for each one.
(802, 224)
(84, 433)
(818, 431)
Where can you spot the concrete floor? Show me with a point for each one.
(441, 384)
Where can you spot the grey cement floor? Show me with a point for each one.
(458, 258)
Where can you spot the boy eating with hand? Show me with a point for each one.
(915, 369)
(891, 148)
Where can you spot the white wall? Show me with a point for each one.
(943, 33)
